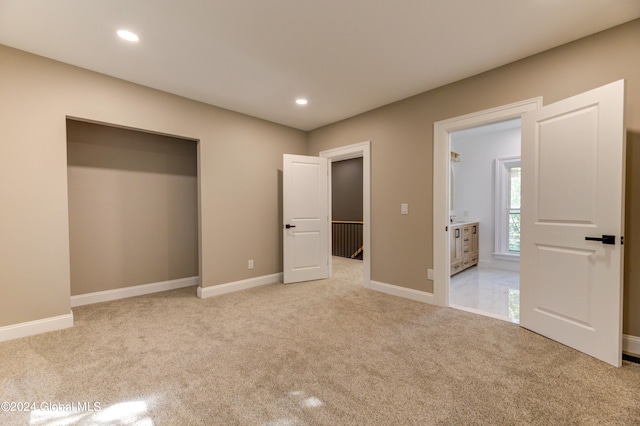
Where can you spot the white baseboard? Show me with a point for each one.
(505, 265)
(217, 290)
(138, 290)
(407, 293)
(631, 344)
(31, 328)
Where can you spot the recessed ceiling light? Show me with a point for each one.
(301, 101)
(128, 35)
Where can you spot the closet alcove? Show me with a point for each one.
(133, 207)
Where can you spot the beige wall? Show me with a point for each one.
(401, 136)
(133, 207)
(239, 159)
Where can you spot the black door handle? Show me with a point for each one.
(289, 226)
(606, 239)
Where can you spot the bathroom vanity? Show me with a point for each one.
(464, 246)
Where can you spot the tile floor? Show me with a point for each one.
(490, 292)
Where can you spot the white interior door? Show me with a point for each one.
(573, 188)
(305, 218)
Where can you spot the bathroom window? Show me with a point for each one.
(507, 209)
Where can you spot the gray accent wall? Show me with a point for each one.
(346, 190)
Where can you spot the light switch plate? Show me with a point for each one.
(404, 208)
(430, 274)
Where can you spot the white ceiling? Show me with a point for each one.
(258, 56)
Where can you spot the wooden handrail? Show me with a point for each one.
(348, 221)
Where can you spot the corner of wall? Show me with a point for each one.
(31, 328)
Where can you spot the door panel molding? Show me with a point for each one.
(305, 218)
(572, 192)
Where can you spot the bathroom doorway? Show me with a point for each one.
(485, 213)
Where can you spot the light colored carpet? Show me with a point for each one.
(317, 353)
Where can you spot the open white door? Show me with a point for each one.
(305, 218)
(572, 189)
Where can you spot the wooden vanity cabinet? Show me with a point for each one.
(464, 246)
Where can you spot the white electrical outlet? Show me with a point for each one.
(251, 264)
(430, 274)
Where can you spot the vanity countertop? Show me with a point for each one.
(466, 222)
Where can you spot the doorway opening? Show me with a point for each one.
(485, 220)
(347, 247)
(571, 286)
(360, 150)
(445, 190)
(346, 208)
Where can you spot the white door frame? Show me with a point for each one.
(441, 169)
(348, 152)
